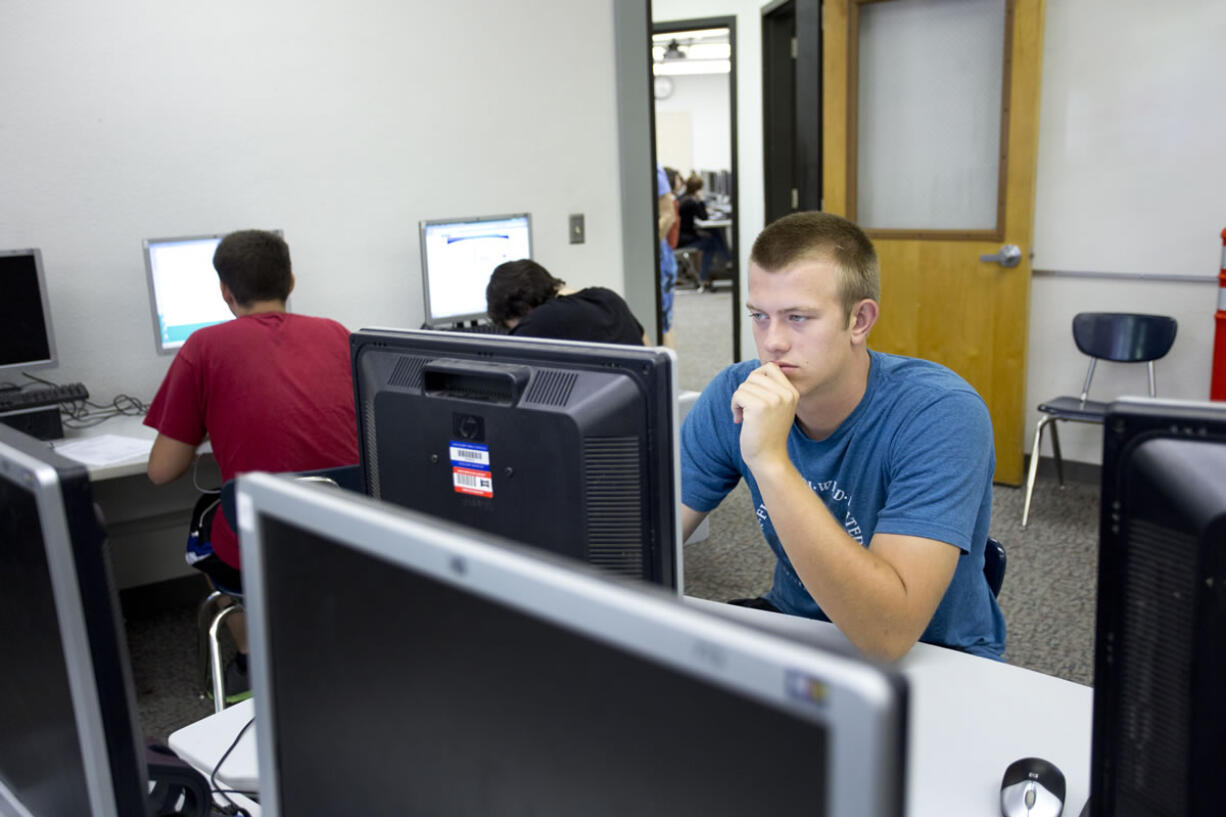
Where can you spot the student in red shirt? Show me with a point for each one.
(271, 390)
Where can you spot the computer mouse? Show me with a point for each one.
(1032, 787)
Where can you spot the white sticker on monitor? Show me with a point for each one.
(470, 455)
(472, 482)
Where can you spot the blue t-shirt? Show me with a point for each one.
(914, 458)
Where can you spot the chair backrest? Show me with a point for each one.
(1124, 337)
(994, 565)
(348, 477)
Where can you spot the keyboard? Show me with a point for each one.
(18, 399)
(479, 329)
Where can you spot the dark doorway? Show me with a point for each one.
(792, 106)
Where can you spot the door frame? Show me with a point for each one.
(692, 24)
(793, 120)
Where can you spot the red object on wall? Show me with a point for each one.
(1217, 386)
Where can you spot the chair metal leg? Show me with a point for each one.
(219, 679)
(1055, 447)
(1034, 465)
(204, 615)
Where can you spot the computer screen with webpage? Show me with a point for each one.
(183, 288)
(457, 257)
(26, 341)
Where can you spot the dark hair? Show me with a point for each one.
(814, 235)
(254, 265)
(518, 287)
(672, 173)
(693, 184)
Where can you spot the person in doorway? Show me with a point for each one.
(666, 215)
(710, 242)
(871, 474)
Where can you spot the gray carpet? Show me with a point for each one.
(1047, 597)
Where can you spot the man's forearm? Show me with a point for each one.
(862, 593)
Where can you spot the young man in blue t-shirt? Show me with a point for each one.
(871, 474)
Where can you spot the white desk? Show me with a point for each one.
(969, 718)
(146, 524)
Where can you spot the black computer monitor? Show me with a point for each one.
(1160, 649)
(68, 734)
(26, 340)
(403, 665)
(567, 446)
(457, 257)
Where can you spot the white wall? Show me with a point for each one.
(1122, 72)
(341, 124)
(1130, 180)
(705, 97)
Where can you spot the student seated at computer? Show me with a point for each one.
(710, 242)
(870, 473)
(273, 392)
(526, 299)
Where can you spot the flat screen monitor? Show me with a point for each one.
(1159, 735)
(68, 734)
(26, 340)
(568, 446)
(431, 669)
(184, 291)
(457, 257)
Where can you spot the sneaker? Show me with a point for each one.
(238, 684)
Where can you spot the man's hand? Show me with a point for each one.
(765, 406)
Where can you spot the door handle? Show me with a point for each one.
(1010, 255)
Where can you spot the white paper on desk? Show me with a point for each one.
(105, 449)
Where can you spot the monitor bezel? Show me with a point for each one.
(52, 358)
(634, 616)
(46, 476)
(146, 243)
(431, 319)
(590, 353)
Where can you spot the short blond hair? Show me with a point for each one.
(816, 235)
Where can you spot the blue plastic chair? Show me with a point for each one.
(1120, 337)
(994, 565)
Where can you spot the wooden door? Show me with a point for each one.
(939, 300)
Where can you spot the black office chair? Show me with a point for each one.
(994, 565)
(1119, 337)
(347, 477)
(689, 260)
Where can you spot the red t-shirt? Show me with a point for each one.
(273, 391)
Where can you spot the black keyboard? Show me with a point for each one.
(479, 329)
(17, 399)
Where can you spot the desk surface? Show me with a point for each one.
(969, 718)
(127, 426)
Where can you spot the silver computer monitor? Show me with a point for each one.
(26, 339)
(403, 665)
(184, 293)
(457, 257)
(68, 735)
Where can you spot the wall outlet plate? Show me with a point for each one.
(576, 228)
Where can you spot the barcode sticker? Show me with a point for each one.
(473, 482)
(470, 455)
